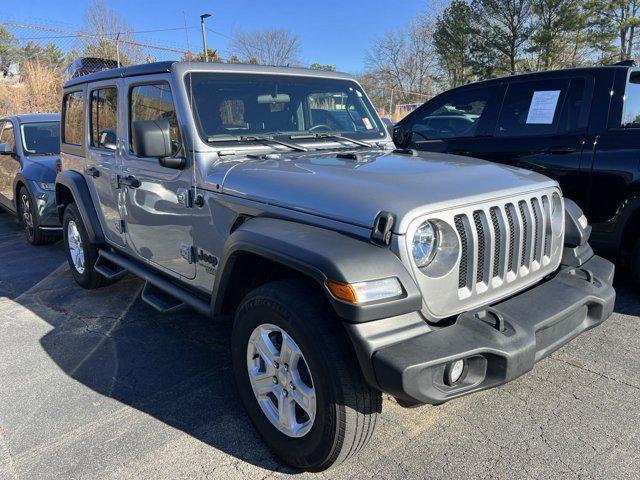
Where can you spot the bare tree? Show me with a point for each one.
(107, 35)
(404, 61)
(276, 47)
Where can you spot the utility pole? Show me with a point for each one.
(204, 36)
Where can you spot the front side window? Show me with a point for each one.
(230, 105)
(456, 116)
(104, 118)
(155, 102)
(40, 138)
(8, 136)
(73, 118)
(631, 112)
(532, 108)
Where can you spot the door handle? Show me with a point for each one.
(560, 150)
(130, 181)
(92, 171)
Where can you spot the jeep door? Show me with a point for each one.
(156, 198)
(102, 163)
(9, 165)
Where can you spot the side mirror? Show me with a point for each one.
(152, 138)
(5, 149)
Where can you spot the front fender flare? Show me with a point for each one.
(320, 254)
(77, 185)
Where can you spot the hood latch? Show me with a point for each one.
(381, 231)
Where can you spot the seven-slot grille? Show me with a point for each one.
(504, 242)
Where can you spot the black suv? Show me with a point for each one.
(579, 126)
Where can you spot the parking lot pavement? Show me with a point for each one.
(98, 385)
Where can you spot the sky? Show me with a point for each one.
(336, 32)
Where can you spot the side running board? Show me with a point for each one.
(109, 269)
(158, 292)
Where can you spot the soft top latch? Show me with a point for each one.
(381, 231)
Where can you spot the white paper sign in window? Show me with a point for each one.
(543, 107)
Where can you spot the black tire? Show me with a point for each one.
(28, 218)
(86, 276)
(347, 408)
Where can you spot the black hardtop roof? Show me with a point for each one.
(183, 67)
(142, 69)
(546, 74)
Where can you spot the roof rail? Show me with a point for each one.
(625, 63)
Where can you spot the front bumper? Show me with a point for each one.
(499, 343)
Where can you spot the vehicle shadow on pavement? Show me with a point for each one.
(627, 294)
(175, 367)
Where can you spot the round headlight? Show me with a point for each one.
(425, 243)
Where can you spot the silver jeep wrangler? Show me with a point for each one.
(274, 195)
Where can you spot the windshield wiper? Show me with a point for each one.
(329, 135)
(256, 138)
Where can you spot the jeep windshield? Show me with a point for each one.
(229, 107)
(41, 138)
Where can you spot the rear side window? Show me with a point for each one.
(73, 118)
(575, 112)
(104, 116)
(456, 116)
(532, 108)
(631, 112)
(8, 136)
(154, 102)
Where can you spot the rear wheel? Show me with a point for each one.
(298, 377)
(81, 253)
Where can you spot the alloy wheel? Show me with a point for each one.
(27, 215)
(76, 248)
(281, 380)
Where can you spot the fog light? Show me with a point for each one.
(454, 371)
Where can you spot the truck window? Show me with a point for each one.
(155, 102)
(532, 108)
(73, 118)
(575, 113)
(455, 116)
(631, 112)
(104, 114)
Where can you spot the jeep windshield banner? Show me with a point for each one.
(231, 107)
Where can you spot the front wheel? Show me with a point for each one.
(28, 217)
(82, 254)
(298, 377)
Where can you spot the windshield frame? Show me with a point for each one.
(23, 138)
(378, 134)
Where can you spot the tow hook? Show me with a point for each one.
(493, 318)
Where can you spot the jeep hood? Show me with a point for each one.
(356, 190)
